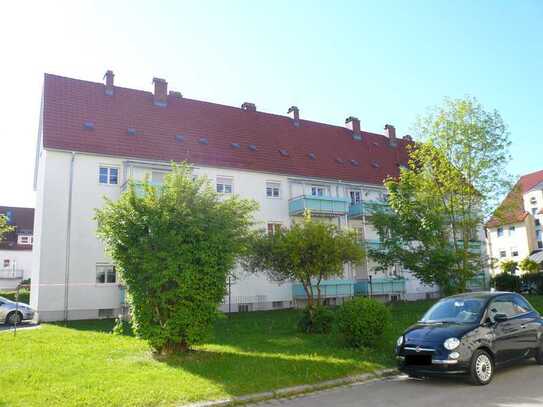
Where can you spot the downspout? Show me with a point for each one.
(68, 233)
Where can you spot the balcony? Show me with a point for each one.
(318, 205)
(380, 286)
(10, 274)
(329, 289)
(363, 209)
(474, 246)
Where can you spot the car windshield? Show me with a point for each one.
(456, 310)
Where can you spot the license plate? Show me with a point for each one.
(418, 360)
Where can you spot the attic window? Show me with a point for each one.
(88, 125)
(235, 145)
(132, 131)
(312, 156)
(252, 147)
(179, 138)
(354, 162)
(375, 164)
(339, 161)
(203, 141)
(283, 152)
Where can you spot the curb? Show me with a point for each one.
(303, 389)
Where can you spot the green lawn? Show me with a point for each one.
(83, 364)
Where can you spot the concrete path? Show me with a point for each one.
(516, 386)
(23, 326)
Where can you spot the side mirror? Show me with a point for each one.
(500, 318)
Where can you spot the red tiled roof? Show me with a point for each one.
(511, 210)
(69, 103)
(23, 221)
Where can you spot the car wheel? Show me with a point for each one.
(539, 355)
(14, 318)
(481, 368)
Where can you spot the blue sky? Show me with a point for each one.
(383, 61)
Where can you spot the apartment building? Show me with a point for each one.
(16, 247)
(514, 231)
(94, 137)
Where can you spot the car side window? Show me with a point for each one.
(502, 305)
(520, 305)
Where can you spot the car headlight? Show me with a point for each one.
(399, 342)
(451, 343)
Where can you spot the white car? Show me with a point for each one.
(14, 313)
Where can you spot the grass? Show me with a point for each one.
(83, 364)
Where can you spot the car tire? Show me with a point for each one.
(481, 369)
(14, 318)
(539, 355)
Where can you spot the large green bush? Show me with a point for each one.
(506, 282)
(362, 321)
(24, 295)
(174, 246)
(318, 321)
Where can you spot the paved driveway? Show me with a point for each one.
(517, 386)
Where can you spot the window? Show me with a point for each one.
(534, 211)
(502, 305)
(533, 200)
(224, 185)
(109, 175)
(537, 222)
(511, 230)
(540, 244)
(318, 191)
(355, 197)
(6, 263)
(243, 308)
(105, 273)
(273, 189)
(500, 232)
(277, 304)
(514, 252)
(520, 305)
(503, 253)
(157, 177)
(273, 228)
(24, 239)
(105, 313)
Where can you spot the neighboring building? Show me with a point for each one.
(514, 231)
(94, 137)
(16, 247)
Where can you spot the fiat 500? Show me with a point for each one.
(471, 334)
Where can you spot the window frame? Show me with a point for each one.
(224, 181)
(325, 190)
(28, 238)
(273, 227)
(109, 167)
(273, 186)
(106, 274)
(514, 250)
(357, 194)
(499, 232)
(502, 253)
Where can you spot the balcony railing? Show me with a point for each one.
(380, 286)
(10, 274)
(329, 289)
(366, 208)
(372, 244)
(318, 205)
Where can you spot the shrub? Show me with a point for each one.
(24, 295)
(506, 282)
(121, 327)
(362, 321)
(319, 323)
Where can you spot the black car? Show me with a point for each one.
(471, 334)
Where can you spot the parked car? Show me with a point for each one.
(471, 334)
(14, 313)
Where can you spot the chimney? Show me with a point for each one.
(161, 92)
(390, 132)
(248, 107)
(109, 75)
(295, 115)
(353, 124)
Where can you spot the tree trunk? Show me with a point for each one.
(171, 348)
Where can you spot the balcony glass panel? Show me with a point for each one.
(318, 205)
(329, 289)
(366, 208)
(380, 286)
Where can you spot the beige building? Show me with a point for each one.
(514, 231)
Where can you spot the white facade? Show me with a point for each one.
(15, 266)
(67, 252)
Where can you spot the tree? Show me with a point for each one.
(509, 266)
(456, 173)
(174, 246)
(5, 227)
(528, 265)
(308, 252)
